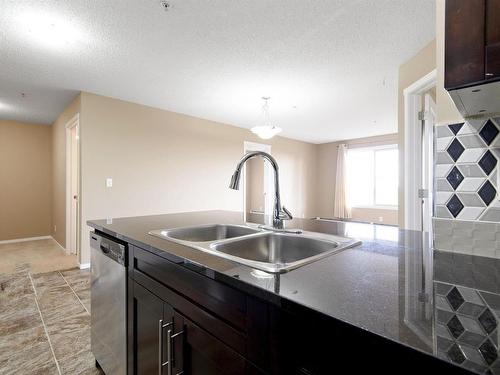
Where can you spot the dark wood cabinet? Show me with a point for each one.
(203, 354)
(170, 334)
(148, 312)
(181, 322)
(472, 42)
(165, 338)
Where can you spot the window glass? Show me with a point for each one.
(360, 184)
(372, 177)
(386, 177)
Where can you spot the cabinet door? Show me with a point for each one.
(492, 22)
(151, 321)
(196, 352)
(492, 39)
(464, 42)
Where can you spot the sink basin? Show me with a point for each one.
(204, 233)
(276, 252)
(270, 251)
(275, 248)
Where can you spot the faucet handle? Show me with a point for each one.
(285, 214)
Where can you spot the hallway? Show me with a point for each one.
(35, 256)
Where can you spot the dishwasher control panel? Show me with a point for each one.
(110, 248)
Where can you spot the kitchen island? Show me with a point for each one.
(385, 305)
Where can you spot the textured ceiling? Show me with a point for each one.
(330, 67)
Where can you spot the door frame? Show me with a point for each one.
(413, 149)
(268, 177)
(428, 160)
(74, 122)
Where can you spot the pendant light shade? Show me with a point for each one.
(266, 131)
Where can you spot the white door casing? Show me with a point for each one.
(72, 185)
(428, 162)
(413, 159)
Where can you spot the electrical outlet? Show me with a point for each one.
(381, 219)
(109, 182)
(55, 228)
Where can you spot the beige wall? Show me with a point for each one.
(447, 112)
(326, 176)
(165, 162)
(58, 228)
(375, 215)
(25, 180)
(417, 67)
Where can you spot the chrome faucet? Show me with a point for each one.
(279, 213)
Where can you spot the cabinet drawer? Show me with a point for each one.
(221, 300)
(493, 61)
(230, 335)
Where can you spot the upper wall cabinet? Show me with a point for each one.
(472, 55)
(472, 42)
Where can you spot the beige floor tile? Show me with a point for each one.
(38, 256)
(77, 279)
(62, 298)
(81, 364)
(32, 359)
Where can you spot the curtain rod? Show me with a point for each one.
(368, 144)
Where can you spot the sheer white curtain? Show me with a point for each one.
(340, 207)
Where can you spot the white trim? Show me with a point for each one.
(58, 244)
(26, 239)
(74, 121)
(413, 149)
(84, 266)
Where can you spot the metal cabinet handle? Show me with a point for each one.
(170, 353)
(161, 364)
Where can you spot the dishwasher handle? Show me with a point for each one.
(109, 248)
(105, 249)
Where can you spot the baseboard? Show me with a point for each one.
(26, 239)
(84, 266)
(58, 244)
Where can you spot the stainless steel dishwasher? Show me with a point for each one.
(108, 304)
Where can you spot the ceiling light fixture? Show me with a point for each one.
(4, 106)
(49, 30)
(266, 131)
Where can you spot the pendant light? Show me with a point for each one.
(266, 131)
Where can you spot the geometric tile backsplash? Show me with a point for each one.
(467, 327)
(466, 170)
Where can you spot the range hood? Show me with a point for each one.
(478, 101)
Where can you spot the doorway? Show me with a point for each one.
(73, 185)
(258, 188)
(428, 118)
(420, 111)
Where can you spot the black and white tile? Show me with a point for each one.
(466, 170)
(467, 327)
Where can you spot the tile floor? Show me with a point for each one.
(45, 322)
(39, 256)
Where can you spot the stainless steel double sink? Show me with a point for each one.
(266, 250)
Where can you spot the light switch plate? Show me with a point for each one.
(109, 182)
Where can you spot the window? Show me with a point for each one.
(372, 177)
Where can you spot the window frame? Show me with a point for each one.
(374, 149)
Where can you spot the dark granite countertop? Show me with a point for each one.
(393, 285)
